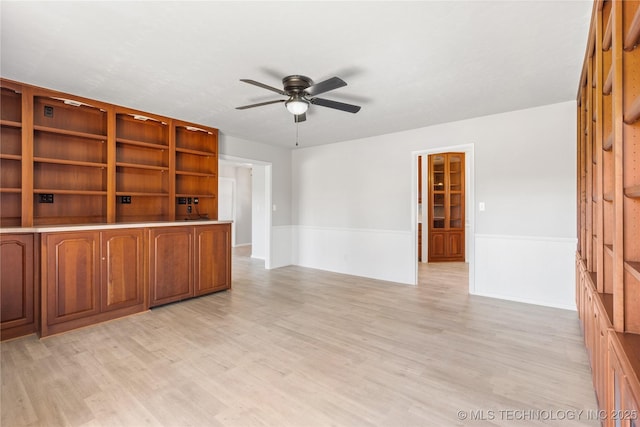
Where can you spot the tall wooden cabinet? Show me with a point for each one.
(446, 207)
(608, 181)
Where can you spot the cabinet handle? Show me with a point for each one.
(104, 258)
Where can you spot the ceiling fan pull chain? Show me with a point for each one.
(297, 124)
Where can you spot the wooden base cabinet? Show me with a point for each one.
(170, 264)
(188, 261)
(212, 258)
(90, 276)
(20, 302)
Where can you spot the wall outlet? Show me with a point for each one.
(182, 200)
(46, 198)
(125, 200)
(189, 209)
(196, 201)
(189, 200)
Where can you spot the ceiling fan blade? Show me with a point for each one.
(244, 107)
(264, 86)
(300, 118)
(325, 86)
(335, 105)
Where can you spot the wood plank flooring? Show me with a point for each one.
(301, 347)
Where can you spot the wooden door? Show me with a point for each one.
(122, 269)
(16, 285)
(213, 258)
(170, 264)
(446, 207)
(71, 275)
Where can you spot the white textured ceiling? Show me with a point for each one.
(408, 64)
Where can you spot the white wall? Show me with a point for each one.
(259, 226)
(353, 203)
(243, 206)
(241, 177)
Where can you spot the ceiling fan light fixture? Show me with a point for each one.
(297, 105)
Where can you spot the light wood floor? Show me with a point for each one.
(300, 347)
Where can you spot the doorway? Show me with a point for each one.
(421, 213)
(254, 210)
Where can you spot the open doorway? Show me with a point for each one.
(244, 196)
(420, 207)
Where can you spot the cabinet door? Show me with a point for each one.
(170, 264)
(16, 285)
(71, 275)
(455, 244)
(437, 246)
(122, 263)
(213, 258)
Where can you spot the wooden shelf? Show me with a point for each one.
(69, 162)
(633, 267)
(141, 194)
(188, 173)
(608, 249)
(101, 138)
(608, 84)
(632, 192)
(11, 124)
(633, 114)
(607, 144)
(10, 190)
(196, 152)
(10, 157)
(141, 166)
(607, 303)
(142, 144)
(632, 37)
(202, 196)
(606, 39)
(630, 344)
(71, 192)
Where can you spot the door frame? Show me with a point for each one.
(468, 150)
(233, 206)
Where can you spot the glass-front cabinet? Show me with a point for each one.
(446, 207)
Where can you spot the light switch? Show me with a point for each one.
(481, 206)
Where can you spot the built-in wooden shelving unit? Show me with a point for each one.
(71, 160)
(608, 261)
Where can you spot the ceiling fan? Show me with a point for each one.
(301, 92)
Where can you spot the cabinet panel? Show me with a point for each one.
(122, 269)
(17, 285)
(455, 244)
(72, 276)
(437, 245)
(170, 264)
(213, 258)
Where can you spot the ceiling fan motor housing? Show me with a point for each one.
(296, 84)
